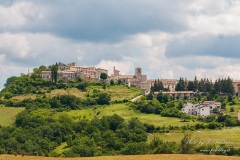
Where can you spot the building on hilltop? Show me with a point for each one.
(72, 71)
(236, 84)
(169, 84)
(201, 109)
(129, 80)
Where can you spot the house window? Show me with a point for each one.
(211, 107)
(202, 109)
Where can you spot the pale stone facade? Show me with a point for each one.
(71, 72)
(236, 84)
(201, 109)
(170, 84)
(167, 83)
(146, 85)
(238, 114)
(129, 80)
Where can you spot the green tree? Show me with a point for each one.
(103, 76)
(82, 86)
(195, 84)
(104, 98)
(112, 83)
(119, 82)
(8, 95)
(160, 97)
(187, 145)
(149, 96)
(191, 86)
(54, 70)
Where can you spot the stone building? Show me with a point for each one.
(236, 84)
(129, 80)
(167, 83)
(71, 72)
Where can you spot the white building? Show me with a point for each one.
(201, 109)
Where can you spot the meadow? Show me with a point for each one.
(8, 115)
(117, 92)
(122, 110)
(229, 136)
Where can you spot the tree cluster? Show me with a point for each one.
(158, 85)
(224, 86)
(155, 107)
(110, 135)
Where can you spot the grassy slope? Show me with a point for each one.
(227, 134)
(124, 111)
(131, 157)
(8, 115)
(117, 92)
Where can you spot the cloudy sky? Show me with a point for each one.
(167, 38)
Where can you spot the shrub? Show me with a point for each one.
(103, 98)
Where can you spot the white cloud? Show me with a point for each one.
(124, 67)
(21, 14)
(16, 45)
(214, 17)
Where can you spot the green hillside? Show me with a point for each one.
(80, 118)
(8, 115)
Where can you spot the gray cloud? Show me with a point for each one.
(223, 46)
(105, 20)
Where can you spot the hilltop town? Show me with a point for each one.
(68, 72)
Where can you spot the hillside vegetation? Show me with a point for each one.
(83, 119)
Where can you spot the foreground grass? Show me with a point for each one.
(226, 135)
(130, 157)
(8, 115)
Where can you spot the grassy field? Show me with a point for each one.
(24, 96)
(226, 135)
(124, 111)
(117, 92)
(8, 115)
(70, 91)
(130, 157)
(236, 108)
(60, 148)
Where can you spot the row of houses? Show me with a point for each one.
(201, 109)
(72, 71)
